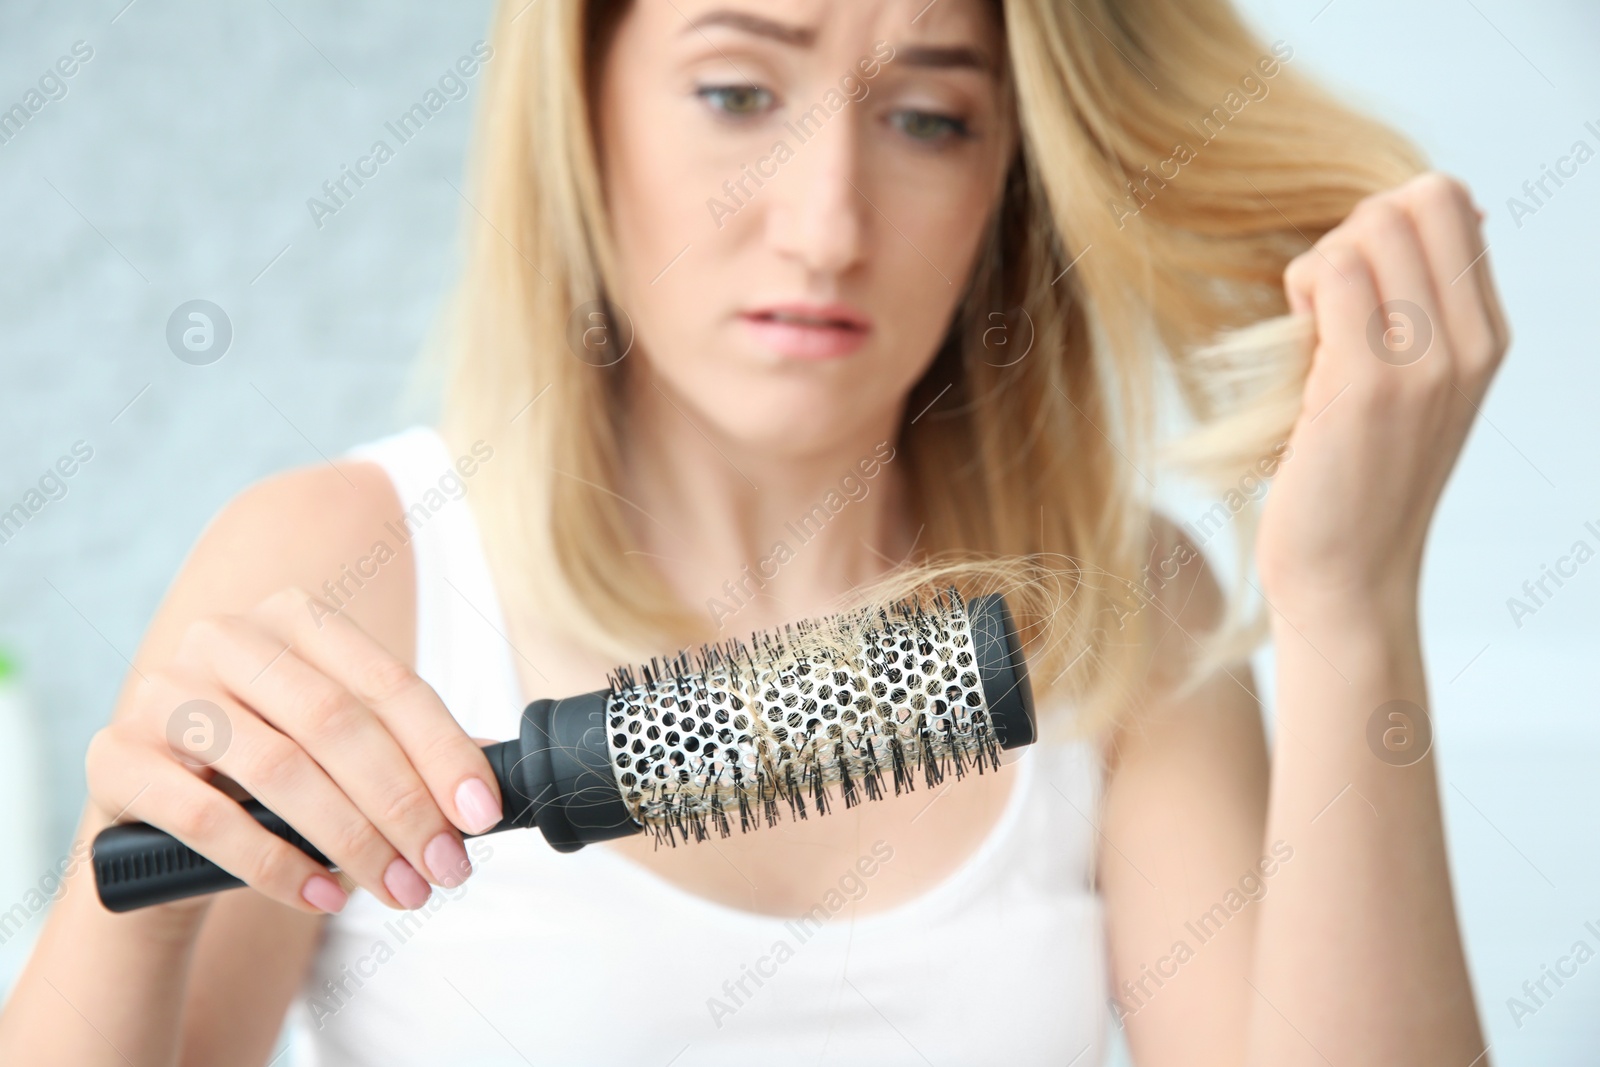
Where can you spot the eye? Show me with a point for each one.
(929, 126)
(737, 101)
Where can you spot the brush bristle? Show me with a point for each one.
(822, 713)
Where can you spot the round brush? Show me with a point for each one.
(838, 710)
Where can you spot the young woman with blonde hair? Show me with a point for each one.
(909, 275)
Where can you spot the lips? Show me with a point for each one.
(808, 331)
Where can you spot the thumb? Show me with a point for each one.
(1298, 282)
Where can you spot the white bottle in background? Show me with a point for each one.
(22, 818)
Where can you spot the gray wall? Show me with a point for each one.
(177, 167)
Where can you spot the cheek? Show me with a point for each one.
(651, 188)
(654, 194)
(925, 257)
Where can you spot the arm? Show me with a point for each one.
(1351, 952)
(96, 990)
(1235, 921)
(1359, 958)
(248, 962)
(208, 980)
(1183, 822)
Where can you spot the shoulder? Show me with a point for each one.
(321, 529)
(336, 501)
(1186, 797)
(1187, 608)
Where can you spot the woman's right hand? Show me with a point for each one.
(312, 717)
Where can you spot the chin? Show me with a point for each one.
(786, 418)
(783, 407)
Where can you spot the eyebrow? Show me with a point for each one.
(932, 57)
(782, 32)
(953, 57)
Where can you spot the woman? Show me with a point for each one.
(912, 261)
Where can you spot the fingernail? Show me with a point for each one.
(476, 805)
(405, 884)
(323, 893)
(447, 860)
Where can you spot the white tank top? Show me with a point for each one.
(590, 959)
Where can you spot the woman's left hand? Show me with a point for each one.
(1409, 333)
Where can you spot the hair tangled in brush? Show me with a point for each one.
(828, 711)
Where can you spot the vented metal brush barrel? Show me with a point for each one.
(687, 746)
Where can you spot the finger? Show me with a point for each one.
(1488, 288)
(1409, 328)
(1343, 297)
(1445, 220)
(1299, 279)
(143, 782)
(283, 776)
(452, 765)
(1484, 272)
(343, 736)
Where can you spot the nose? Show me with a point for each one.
(817, 217)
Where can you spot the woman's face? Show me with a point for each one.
(799, 190)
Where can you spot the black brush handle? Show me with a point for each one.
(137, 865)
(556, 776)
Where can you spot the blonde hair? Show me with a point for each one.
(1027, 474)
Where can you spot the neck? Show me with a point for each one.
(756, 538)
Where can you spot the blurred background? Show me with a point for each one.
(175, 165)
